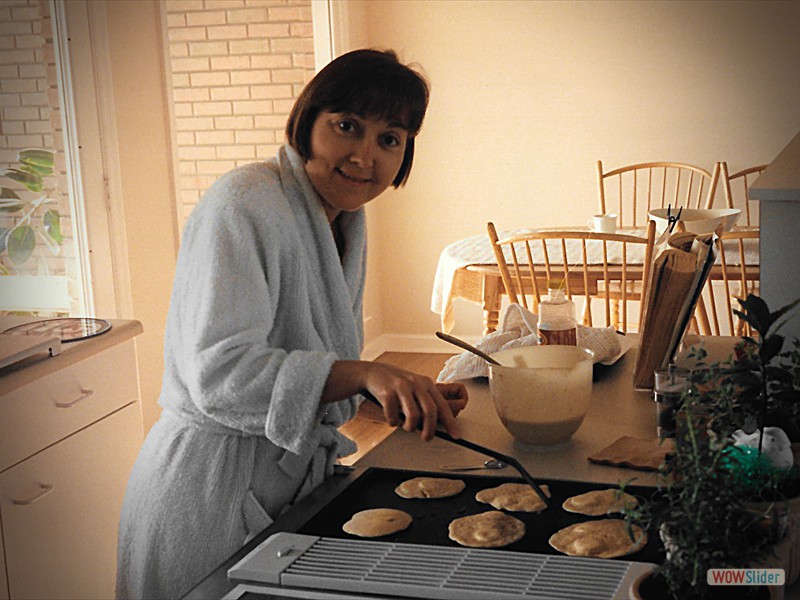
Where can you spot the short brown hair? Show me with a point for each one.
(371, 83)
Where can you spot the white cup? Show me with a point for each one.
(603, 223)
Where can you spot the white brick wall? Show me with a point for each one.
(236, 68)
(23, 83)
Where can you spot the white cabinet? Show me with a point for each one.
(67, 444)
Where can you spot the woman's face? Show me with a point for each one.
(353, 159)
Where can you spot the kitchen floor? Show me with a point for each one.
(369, 429)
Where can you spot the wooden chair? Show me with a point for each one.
(737, 195)
(593, 265)
(736, 281)
(632, 191)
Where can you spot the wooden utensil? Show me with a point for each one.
(468, 347)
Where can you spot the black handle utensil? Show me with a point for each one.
(482, 450)
(672, 221)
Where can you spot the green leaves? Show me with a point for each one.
(38, 157)
(32, 181)
(9, 201)
(19, 242)
(36, 162)
(760, 385)
(52, 225)
(756, 312)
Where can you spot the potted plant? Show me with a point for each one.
(37, 218)
(728, 495)
(756, 392)
(700, 515)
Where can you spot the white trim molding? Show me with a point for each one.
(112, 173)
(322, 20)
(63, 62)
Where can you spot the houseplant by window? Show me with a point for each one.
(36, 216)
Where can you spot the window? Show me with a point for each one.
(78, 264)
(39, 237)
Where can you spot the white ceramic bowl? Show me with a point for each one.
(698, 220)
(542, 393)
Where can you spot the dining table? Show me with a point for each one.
(467, 269)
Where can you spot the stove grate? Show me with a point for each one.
(391, 569)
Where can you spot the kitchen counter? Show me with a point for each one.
(35, 367)
(616, 410)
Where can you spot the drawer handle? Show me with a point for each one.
(84, 394)
(46, 489)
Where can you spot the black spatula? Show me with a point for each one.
(483, 450)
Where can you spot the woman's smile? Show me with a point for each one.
(353, 178)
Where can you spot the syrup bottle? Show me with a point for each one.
(557, 323)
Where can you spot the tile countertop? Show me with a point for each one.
(37, 366)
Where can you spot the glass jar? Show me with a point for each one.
(670, 385)
(557, 323)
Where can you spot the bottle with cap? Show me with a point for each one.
(557, 323)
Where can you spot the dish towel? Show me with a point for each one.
(635, 453)
(519, 329)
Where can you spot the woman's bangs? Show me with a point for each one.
(388, 103)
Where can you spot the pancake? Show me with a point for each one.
(599, 502)
(517, 497)
(492, 529)
(377, 522)
(429, 487)
(605, 538)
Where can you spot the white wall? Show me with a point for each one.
(527, 96)
(144, 147)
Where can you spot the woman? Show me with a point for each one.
(265, 332)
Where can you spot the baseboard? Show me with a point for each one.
(423, 344)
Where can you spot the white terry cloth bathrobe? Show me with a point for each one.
(261, 308)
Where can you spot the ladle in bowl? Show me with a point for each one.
(468, 347)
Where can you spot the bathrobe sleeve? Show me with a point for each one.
(246, 334)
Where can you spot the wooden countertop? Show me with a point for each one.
(32, 368)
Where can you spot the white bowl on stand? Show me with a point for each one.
(697, 220)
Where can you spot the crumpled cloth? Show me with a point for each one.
(518, 329)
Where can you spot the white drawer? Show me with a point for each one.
(61, 510)
(43, 412)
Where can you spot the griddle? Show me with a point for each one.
(375, 489)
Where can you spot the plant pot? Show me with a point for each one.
(787, 542)
(652, 586)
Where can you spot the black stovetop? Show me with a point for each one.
(375, 489)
